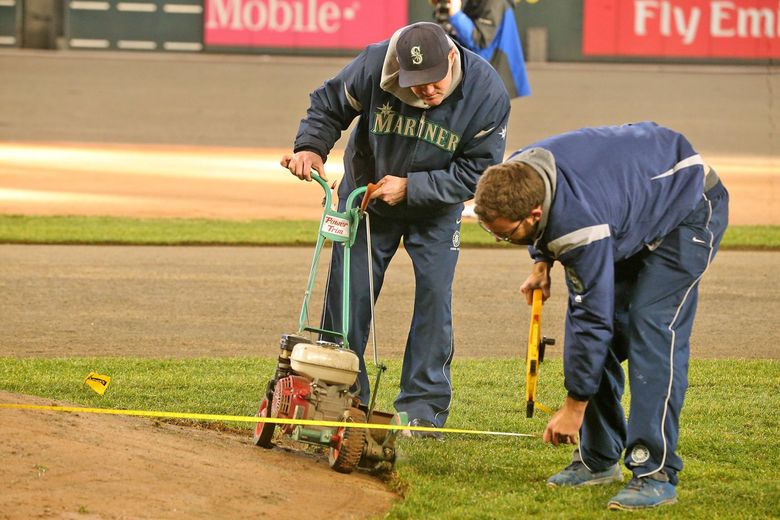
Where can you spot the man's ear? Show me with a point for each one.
(536, 213)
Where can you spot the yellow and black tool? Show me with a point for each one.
(535, 356)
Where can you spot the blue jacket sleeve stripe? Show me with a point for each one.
(578, 238)
(353, 102)
(694, 160)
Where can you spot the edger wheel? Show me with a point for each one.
(264, 432)
(345, 455)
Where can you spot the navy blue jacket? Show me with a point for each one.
(441, 150)
(489, 28)
(614, 191)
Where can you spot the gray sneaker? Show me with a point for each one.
(576, 474)
(645, 493)
(423, 434)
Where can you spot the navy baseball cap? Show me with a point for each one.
(423, 50)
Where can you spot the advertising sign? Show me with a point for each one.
(682, 28)
(331, 24)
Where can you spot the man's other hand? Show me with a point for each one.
(564, 427)
(390, 189)
(302, 163)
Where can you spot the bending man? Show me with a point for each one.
(635, 216)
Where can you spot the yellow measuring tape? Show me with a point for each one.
(544, 408)
(242, 418)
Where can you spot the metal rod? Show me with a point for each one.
(371, 288)
(380, 367)
(379, 370)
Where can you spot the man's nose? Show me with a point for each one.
(428, 89)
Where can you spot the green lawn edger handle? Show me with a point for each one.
(337, 227)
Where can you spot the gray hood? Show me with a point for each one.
(389, 82)
(543, 162)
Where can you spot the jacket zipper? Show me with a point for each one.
(416, 143)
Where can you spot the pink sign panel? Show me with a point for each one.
(682, 28)
(334, 24)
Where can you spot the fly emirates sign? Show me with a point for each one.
(682, 28)
(335, 24)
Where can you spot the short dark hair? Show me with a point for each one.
(510, 190)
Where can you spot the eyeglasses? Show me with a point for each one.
(507, 238)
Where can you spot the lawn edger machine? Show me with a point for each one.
(315, 379)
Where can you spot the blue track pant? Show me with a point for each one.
(433, 246)
(656, 293)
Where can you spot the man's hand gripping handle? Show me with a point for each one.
(535, 355)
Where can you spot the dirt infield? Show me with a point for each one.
(183, 302)
(242, 183)
(58, 465)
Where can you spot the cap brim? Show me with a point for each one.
(412, 78)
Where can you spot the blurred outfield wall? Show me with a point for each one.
(680, 31)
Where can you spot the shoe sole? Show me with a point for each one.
(592, 482)
(422, 435)
(617, 506)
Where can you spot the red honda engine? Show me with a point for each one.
(291, 400)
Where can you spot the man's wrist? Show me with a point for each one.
(308, 148)
(541, 266)
(576, 401)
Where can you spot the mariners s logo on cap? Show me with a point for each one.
(417, 57)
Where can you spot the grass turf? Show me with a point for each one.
(728, 438)
(17, 229)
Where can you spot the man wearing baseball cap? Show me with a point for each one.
(432, 117)
(424, 55)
